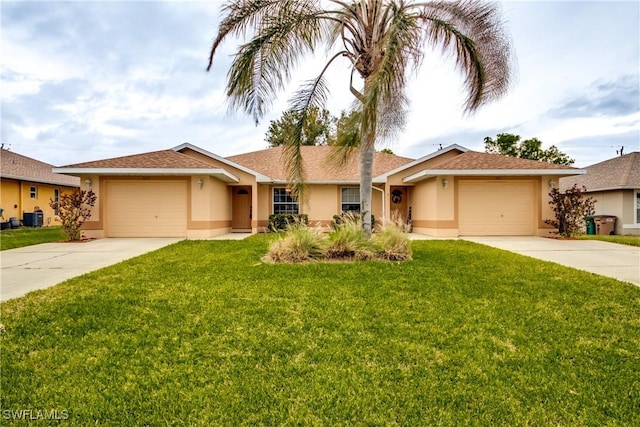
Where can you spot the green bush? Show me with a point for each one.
(281, 222)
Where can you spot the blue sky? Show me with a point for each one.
(90, 80)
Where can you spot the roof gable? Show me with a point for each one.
(164, 159)
(473, 163)
(474, 160)
(16, 166)
(621, 172)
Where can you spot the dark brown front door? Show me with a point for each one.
(241, 208)
(398, 197)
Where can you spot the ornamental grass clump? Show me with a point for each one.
(392, 243)
(349, 241)
(346, 242)
(298, 244)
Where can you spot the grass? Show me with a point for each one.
(27, 236)
(623, 240)
(202, 333)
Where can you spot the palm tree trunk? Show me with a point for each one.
(367, 152)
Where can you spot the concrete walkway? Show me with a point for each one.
(41, 266)
(620, 262)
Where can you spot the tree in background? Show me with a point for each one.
(571, 209)
(318, 128)
(381, 40)
(74, 209)
(509, 144)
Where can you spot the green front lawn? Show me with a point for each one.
(203, 333)
(623, 240)
(27, 236)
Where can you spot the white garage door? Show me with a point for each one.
(146, 209)
(496, 208)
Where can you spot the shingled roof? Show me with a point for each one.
(16, 166)
(621, 172)
(473, 160)
(164, 159)
(316, 164)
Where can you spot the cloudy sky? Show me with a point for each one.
(91, 80)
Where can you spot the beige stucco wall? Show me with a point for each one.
(208, 210)
(620, 203)
(434, 208)
(323, 202)
(15, 199)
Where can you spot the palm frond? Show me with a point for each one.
(264, 64)
(473, 32)
(238, 15)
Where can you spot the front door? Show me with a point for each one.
(398, 197)
(241, 209)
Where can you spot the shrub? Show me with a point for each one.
(392, 243)
(280, 222)
(74, 209)
(571, 209)
(348, 240)
(299, 244)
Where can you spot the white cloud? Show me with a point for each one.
(86, 80)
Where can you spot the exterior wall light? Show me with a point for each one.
(445, 183)
(200, 183)
(552, 184)
(87, 182)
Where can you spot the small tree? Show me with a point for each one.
(571, 209)
(509, 144)
(74, 209)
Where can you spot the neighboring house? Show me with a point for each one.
(615, 186)
(28, 185)
(190, 192)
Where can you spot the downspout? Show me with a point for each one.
(383, 202)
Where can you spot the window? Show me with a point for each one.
(283, 202)
(56, 199)
(33, 192)
(350, 201)
(637, 206)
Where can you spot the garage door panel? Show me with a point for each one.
(146, 209)
(496, 208)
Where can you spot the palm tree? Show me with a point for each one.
(381, 40)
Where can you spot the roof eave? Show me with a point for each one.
(218, 173)
(38, 180)
(430, 173)
(615, 188)
(259, 177)
(381, 179)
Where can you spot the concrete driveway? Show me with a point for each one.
(620, 262)
(41, 266)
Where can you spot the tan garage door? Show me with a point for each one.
(496, 208)
(146, 209)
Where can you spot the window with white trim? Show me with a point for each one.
(350, 199)
(33, 192)
(284, 202)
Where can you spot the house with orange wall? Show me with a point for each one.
(27, 185)
(187, 191)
